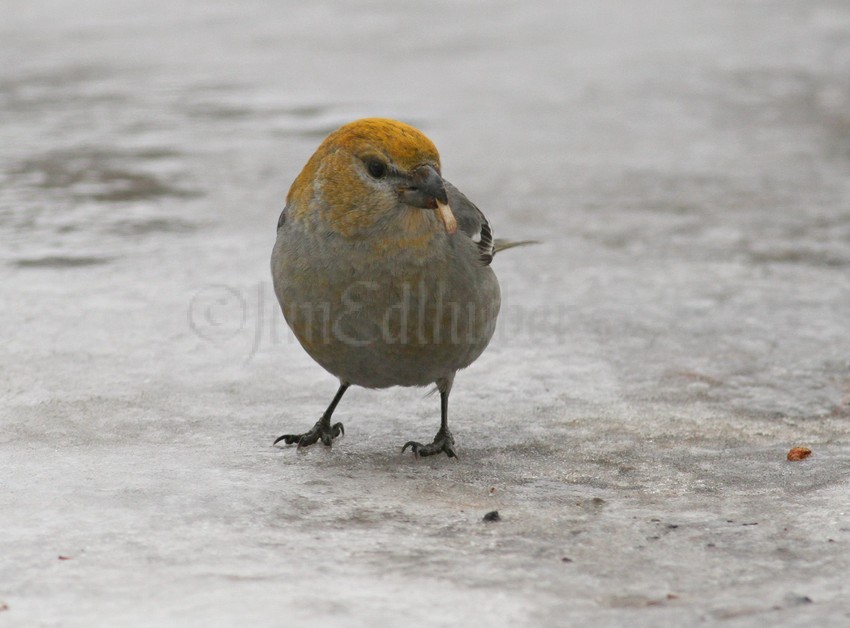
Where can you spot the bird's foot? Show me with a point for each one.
(443, 443)
(322, 430)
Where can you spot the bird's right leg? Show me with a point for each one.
(322, 429)
(444, 442)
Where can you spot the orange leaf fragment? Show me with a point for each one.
(799, 453)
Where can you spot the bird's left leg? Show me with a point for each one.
(322, 430)
(443, 441)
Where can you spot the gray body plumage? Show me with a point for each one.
(410, 316)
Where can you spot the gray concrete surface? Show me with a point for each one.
(684, 324)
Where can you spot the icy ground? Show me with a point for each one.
(684, 324)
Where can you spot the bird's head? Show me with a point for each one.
(373, 173)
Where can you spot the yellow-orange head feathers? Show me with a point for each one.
(363, 171)
(400, 143)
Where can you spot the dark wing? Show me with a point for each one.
(472, 222)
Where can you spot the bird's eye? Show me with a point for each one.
(377, 168)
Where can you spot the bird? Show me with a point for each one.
(382, 269)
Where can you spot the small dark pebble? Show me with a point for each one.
(566, 559)
(493, 515)
(672, 526)
(754, 523)
(794, 599)
(64, 557)
(710, 545)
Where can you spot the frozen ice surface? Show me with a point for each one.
(683, 325)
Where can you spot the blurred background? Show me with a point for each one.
(685, 163)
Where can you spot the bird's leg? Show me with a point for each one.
(322, 430)
(443, 441)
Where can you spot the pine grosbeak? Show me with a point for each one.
(382, 269)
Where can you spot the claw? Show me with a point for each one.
(414, 447)
(325, 433)
(443, 443)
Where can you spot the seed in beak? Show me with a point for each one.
(447, 216)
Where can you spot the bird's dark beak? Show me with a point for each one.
(426, 189)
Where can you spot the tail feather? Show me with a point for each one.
(502, 245)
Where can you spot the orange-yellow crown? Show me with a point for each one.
(402, 144)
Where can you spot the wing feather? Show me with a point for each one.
(473, 223)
